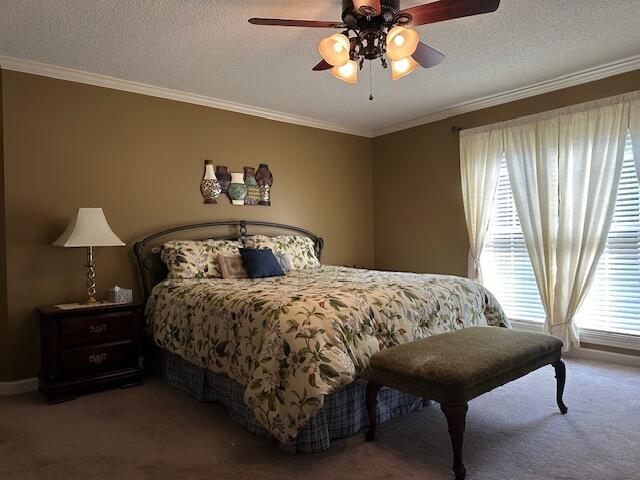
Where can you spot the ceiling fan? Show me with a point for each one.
(380, 29)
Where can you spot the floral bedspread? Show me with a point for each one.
(294, 339)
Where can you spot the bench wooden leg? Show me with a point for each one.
(456, 419)
(561, 375)
(372, 409)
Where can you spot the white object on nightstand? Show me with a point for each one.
(120, 295)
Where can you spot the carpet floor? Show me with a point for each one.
(155, 432)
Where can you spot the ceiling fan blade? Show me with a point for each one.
(427, 56)
(323, 65)
(370, 8)
(448, 10)
(295, 23)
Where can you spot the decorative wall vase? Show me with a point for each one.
(237, 189)
(253, 190)
(224, 178)
(265, 181)
(209, 186)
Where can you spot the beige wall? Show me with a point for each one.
(140, 158)
(418, 214)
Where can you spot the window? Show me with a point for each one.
(613, 301)
(506, 267)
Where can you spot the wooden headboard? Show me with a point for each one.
(147, 250)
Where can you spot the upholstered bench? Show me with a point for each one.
(456, 367)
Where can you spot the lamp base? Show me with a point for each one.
(91, 278)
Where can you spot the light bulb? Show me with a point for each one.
(400, 68)
(347, 72)
(335, 49)
(401, 42)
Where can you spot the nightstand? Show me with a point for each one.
(88, 348)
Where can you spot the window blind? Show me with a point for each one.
(506, 267)
(613, 301)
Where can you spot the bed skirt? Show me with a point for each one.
(343, 414)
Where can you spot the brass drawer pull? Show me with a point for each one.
(97, 358)
(95, 329)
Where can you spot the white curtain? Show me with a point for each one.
(480, 157)
(634, 128)
(564, 169)
(532, 154)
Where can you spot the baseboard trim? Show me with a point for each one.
(19, 386)
(594, 337)
(604, 356)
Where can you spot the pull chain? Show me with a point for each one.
(370, 82)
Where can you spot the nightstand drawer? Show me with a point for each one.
(91, 360)
(94, 329)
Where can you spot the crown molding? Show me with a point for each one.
(578, 78)
(79, 76)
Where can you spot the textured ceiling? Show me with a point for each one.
(208, 48)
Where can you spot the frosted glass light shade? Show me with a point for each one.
(400, 68)
(88, 228)
(401, 42)
(347, 73)
(335, 49)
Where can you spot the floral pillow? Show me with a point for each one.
(196, 259)
(301, 249)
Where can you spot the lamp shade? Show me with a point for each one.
(335, 49)
(400, 68)
(88, 228)
(348, 72)
(401, 42)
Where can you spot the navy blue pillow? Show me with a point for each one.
(260, 263)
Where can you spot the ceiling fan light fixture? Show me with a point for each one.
(378, 29)
(368, 8)
(400, 68)
(335, 49)
(347, 72)
(401, 42)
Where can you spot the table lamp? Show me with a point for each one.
(89, 228)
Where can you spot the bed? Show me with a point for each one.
(287, 355)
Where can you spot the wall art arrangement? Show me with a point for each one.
(250, 187)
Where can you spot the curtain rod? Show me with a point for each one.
(580, 107)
